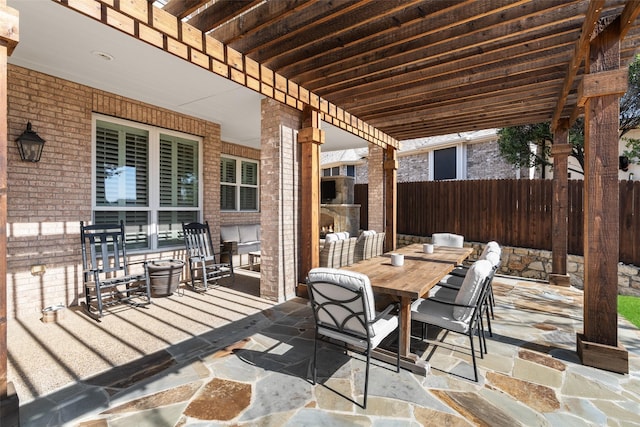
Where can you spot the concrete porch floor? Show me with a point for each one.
(229, 358)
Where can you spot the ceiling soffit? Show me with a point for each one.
(394, 69)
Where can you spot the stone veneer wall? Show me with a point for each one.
(536, 264)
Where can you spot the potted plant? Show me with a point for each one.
(164, 276)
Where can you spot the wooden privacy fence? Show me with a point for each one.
(512, 212)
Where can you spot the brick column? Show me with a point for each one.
(310, 138)
(390, 198)
(600, 93)
(560, 152)
(279, 200)
(376, 188)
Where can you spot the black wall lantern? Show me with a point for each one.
(30, 145)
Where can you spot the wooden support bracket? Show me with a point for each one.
(311, 135)
(560, 149)
(391, 164)
(9, 28)
(612, 82)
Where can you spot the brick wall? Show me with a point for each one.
(376, 188)
(280, 207)
(413, 168)
(46, 200)
(229, 218)
(484, 162)
(362, 173)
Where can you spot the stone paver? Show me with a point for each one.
(237, 360)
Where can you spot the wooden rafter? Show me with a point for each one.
(220, 12)
(182, 8)
(628, 17)
(257, 19)
(393, 68)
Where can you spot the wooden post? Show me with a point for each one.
(9, 404)
(390, 198)
(310, 137)
(560, 152)
(600, 94)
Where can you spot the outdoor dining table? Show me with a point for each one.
(415, 278)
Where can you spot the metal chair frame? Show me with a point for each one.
(339, 325)
(475, 324)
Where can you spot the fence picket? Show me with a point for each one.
(513, 212)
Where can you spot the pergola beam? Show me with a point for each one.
(580, 51)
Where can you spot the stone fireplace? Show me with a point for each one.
(337, 210)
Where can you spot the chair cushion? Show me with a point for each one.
(368, 233)
(493, 258)
(248, 233)
(229, 233)
(331, 237)
(346, 279)
(433, 313)
(442, 293)
(490, 247)
(342, 235)
(381, 329)
(471, 288)
(447, 239)
(453, 281)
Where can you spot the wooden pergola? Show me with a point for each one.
(398, 69)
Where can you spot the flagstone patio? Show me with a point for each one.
(229, 358)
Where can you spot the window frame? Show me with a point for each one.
(461, 155)
(238, 184)
(154, 206)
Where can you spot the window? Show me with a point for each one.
(351, 170)
(444, 164)
(147, 177)
(334, 171)
(239, 183)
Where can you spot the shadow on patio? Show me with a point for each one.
(230, 358)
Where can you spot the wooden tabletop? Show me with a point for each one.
(417, 276)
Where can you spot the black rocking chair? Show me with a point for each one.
(106, 275)
(203, 265)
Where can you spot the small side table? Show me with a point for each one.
(252, 258)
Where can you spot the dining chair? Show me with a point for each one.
(461, 271)
(449, 286)
(343, 306)
(492, 246)
(204, 266)
(462, 314)
(106, 272)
